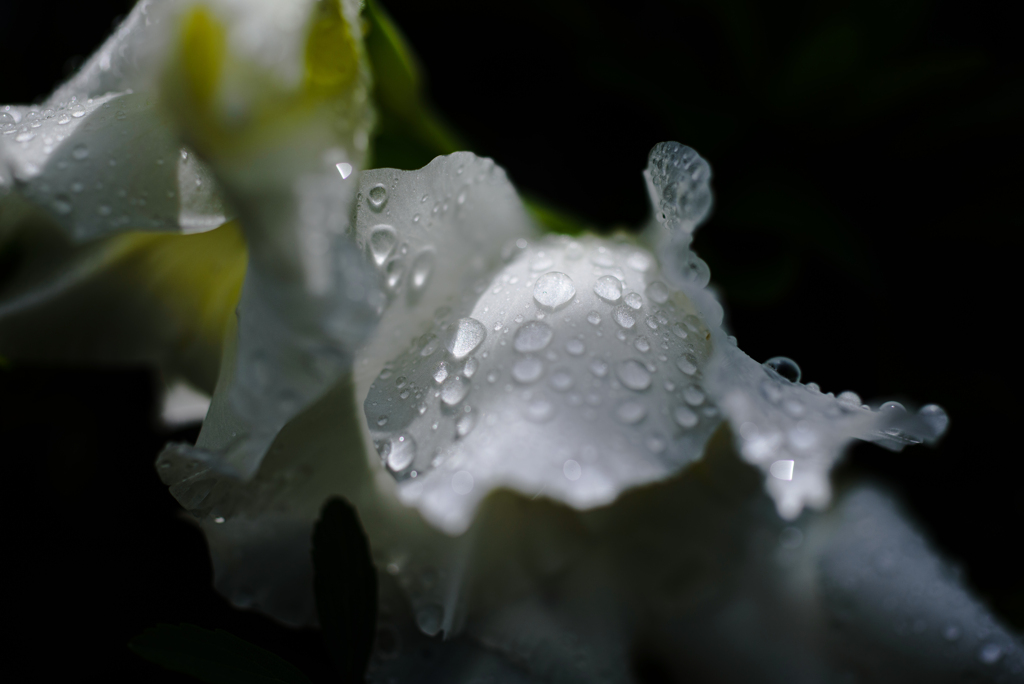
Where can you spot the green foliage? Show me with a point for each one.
(214, 656)
(345, 582)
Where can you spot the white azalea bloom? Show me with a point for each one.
(564, 465)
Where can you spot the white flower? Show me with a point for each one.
(561, 460)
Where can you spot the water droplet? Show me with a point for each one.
(560, 380)
(784, 366)
(454, 390)
(575, 347)
(849, 399)
(377, 197)
(599, 368)
(382, 241)
(401, 452)
(62, 206)
(429, 617)
(441, 372)
(935, 418)
(572, 470)
(693, 395)
(685, 417)
(382, 421)
(422, 267)
(430, 346)
(631, 412)
(464, 337)
(554, 290)
(634, 300)
(687, 363)
(623, 315)
(6, 119)
(527, 370)
(533, 336)
(655, 444)
(464, 424)
(642, 344)
(990, 654)
(541, 263)
(634, 375)
(639, 261)
(393, 274)
(608, 288)
(219, 520)
(344, 169)
(81, 152)
(469, 370)
(462, 482)
(594, 318)
(782, 470)
(78, 111)
(539, 409)
(658, 292)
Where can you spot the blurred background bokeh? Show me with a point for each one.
(868, 224)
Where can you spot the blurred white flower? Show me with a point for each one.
(562, 462)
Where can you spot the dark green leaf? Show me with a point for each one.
(345, 583)
(213, 656)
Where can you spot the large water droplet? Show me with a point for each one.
(608, 288)
(382, 241)
(422, 267)
(554, 290)
(454, 390)
(935, 418)
(782, 470)
(527, 370)
(634, 375)
(634, 300)
(533, 336)
(631, 412)
(687, 363)
(572, 470)
(464, 336)
(784, 366)
(377, 197)
(658, 292)
(402, 452)
(623, 315)
(462, 482)
(685, 417)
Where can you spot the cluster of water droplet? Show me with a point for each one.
(583, 367)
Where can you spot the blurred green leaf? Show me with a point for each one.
(345, 583)
(553, 219)
(214, 656)
(410, 133)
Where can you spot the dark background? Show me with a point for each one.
(868, 220)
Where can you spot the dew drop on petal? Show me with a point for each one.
(533, 336)
(594, 318)
(623, 315)
(401, 453)
(658, 292)
(575, 347)
(422, 268)
(784, 366)
(454, 390)
(687, 363)
(527, 370)
(377, 197)
(572, 470)
(634, 300)
(634, 375)
(382, 241)
(685, 417)
(782, 470)
(553, 290)
(608, 288)
(465, 335)
(631, 412)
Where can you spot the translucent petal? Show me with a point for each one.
(97, 157)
